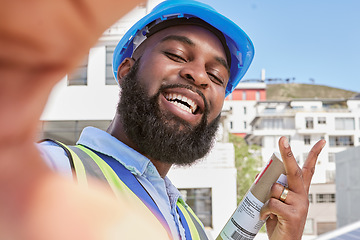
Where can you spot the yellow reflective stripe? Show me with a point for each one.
(182, 202)
(193, 231)
(79, 167)
(119, 187)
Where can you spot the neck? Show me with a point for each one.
(116, 129)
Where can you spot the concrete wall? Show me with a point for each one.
(348, 186)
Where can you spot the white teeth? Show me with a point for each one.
(174, 96)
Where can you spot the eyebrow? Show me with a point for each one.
(182, 39)
(188, 41)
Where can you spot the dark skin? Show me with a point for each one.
(42, 40)
(188, 55)
(192, 55)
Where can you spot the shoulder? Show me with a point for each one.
(55, 157)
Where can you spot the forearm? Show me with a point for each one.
(40, 41)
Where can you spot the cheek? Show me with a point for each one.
(150, 78)
(217, 104)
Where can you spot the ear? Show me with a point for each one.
(124, 68)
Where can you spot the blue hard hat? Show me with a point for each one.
(239, 44)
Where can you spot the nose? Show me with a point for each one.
(196, 74)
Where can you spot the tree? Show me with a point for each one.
(247, 162)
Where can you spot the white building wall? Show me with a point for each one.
(300, 111)
(324, 212)
(96, 101)
(242, 113)
(302, 138)
(217, 171)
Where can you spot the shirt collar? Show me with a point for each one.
(134, 161)
(105, 143)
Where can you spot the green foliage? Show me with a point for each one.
(247, 162)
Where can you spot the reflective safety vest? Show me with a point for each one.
(86, 162)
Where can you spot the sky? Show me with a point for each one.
(310, 41)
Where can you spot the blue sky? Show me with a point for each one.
(301, 39)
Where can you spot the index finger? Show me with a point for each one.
(293, 171)
(308, 168)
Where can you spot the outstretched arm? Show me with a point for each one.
(40, 41)
(287, 218)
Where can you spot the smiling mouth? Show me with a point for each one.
(182, 102)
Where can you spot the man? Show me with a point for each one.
(175, 67)
(174, 73)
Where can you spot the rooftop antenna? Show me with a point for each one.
(262, 74)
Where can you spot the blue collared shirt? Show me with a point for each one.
(164, 193)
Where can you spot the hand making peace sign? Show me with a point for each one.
(287, 208)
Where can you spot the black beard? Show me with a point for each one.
(163, 137)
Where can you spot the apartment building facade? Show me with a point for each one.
(304, 122)
(241, 103)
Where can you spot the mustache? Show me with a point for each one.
(170, 86)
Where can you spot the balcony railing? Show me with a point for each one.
(290, 112)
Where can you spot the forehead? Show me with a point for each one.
(198, 35)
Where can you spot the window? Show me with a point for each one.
(257, 97)
(272, 123)
(245, 125)
(309, 123)
(344, 124)
(322, 120)
(340, 141)
(231, 125)
(109, 77)
(331, 157)
(244, 110)
(79, 76)
(307, 139)
(325, 198)
(243, 95)
(200, 201)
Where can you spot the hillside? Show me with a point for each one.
(290, 91)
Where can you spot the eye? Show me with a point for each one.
(215, 79)
(175, 57)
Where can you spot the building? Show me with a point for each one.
(241, 102)
(348, 186)
(304, 122)
(88, 97)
